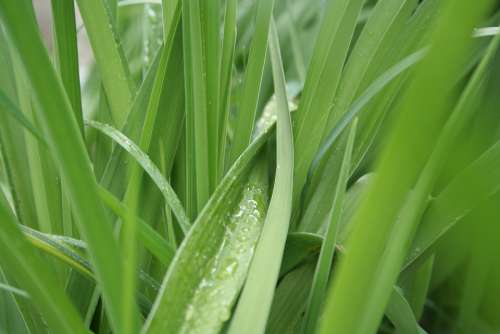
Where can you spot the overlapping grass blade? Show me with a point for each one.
(255, 302)
(113, 67)
(142, 158)
(323, 268)
(210, 266)
(369, 284)
(226, 69)
(322, 79)
(401, 315)
(247, 108)
(56, 116)
(66, 53)
(31, 273)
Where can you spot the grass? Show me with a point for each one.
(250, 166)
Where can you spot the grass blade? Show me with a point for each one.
(65, 41)
(210, 280)
(323, 268)
(365, 272)
(321, 83)
(255, 302)
(110, 58)
(145, 162)
(32, 274)
(253, 79)
(60, 126)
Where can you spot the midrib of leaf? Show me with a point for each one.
(110, 59)
(256, 298)
(247, 107)
(56, 115)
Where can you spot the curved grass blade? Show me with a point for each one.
(255, 302)
(371, 91)
(196, 103)
(142, 158)
(71, 251)
(290, 300)
(211, 264)
(253, 79)
(323, 268)
(153, 242)
(110, 58)
(56, 115)
(401, 315)
(22, 263)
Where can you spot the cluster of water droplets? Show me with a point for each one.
(217, 291)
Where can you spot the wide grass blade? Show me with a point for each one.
(210, 266)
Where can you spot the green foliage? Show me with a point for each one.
(249, 166)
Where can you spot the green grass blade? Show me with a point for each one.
(401, 315)
(357, 106)
(255, 302)
(449, 206)
(14, 290)
(109, 55)
(323, 268)
(195, 70)
(247, 108)
(360, 308)
(364, 53)
(226, 68)
(7, 106)
(31, 273)
(145, 162)
(321, 83)
(60, 126)
(290, 300)
(210, 30)
(211, 264)
(153, 242)
(66, 52)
